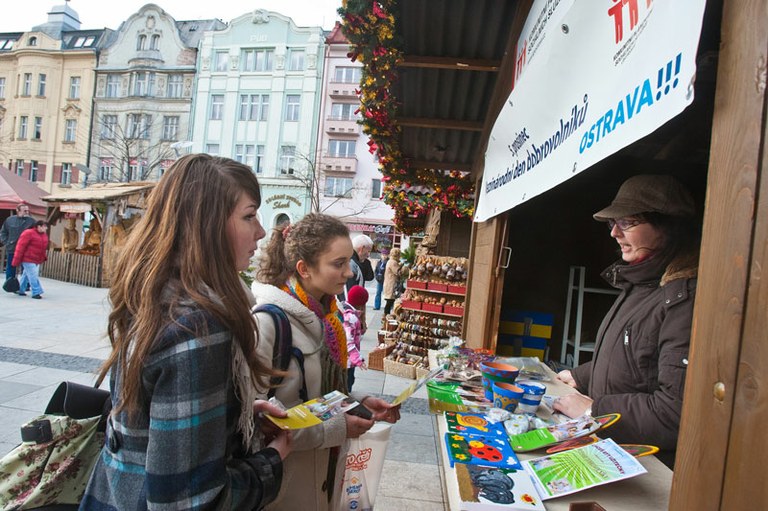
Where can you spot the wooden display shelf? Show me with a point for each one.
(437, 292)
(435, 313)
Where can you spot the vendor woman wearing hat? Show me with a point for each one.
(641, 351)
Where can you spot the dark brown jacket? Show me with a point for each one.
(641, 353)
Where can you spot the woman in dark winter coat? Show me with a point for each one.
(641, 351)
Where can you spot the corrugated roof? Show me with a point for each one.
(458, 99)
(99, 191)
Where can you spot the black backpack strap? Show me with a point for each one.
(283, 348)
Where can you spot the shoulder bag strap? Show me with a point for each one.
(283, 348)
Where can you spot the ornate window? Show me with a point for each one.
(74, 87)
(292, 107)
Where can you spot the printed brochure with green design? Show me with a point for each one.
(578, 469)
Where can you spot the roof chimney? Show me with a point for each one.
(62, 18)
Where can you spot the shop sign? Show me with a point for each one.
(590, 78)
(75, 207)
(374, 228)
(282, 201)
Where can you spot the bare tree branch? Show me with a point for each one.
(313, 178)
(135, 142)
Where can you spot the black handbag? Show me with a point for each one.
(11, 285)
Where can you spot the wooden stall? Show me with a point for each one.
(88, 259)
(720, 461)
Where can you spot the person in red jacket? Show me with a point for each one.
(31, 252)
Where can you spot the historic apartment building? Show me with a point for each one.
(46, 87)
(349, 181)
(257, 101)
(143, 98)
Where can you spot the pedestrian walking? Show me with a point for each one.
(360, 264)
(381, 268)
(391, 277)
(31, 251)
(9, 235)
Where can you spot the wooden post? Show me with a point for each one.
(722, 446)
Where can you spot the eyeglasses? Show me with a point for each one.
(623, 223)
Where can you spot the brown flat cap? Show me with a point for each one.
(649, 193)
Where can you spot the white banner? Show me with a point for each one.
(591, 77)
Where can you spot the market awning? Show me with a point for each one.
(15, 190)
(99, 192)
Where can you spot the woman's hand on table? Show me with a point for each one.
(382, 410)
(566, 377)
(573, 405)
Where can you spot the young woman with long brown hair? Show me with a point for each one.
(183, 434)
(303, 268)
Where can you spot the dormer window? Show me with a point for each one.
(141, 42)
(84, 41)
(155, 43)
(33, 41)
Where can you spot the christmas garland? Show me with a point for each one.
(369, 26)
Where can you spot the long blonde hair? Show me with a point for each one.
(181, 240)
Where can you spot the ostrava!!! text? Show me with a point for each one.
(629, 106)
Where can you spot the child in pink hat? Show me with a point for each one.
(354, 326)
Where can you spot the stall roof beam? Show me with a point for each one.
(446, 124)
(491, 66)
(440, 165)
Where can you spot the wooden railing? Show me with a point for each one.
(73, 267)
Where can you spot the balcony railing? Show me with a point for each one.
(336, 126)
(332, 163)
(340, 90)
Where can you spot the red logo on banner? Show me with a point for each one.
(617, 11)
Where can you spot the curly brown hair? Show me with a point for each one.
(305, 240)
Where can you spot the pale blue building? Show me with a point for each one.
(257, 100)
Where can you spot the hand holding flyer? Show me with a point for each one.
(315, 411)
(413, 387)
